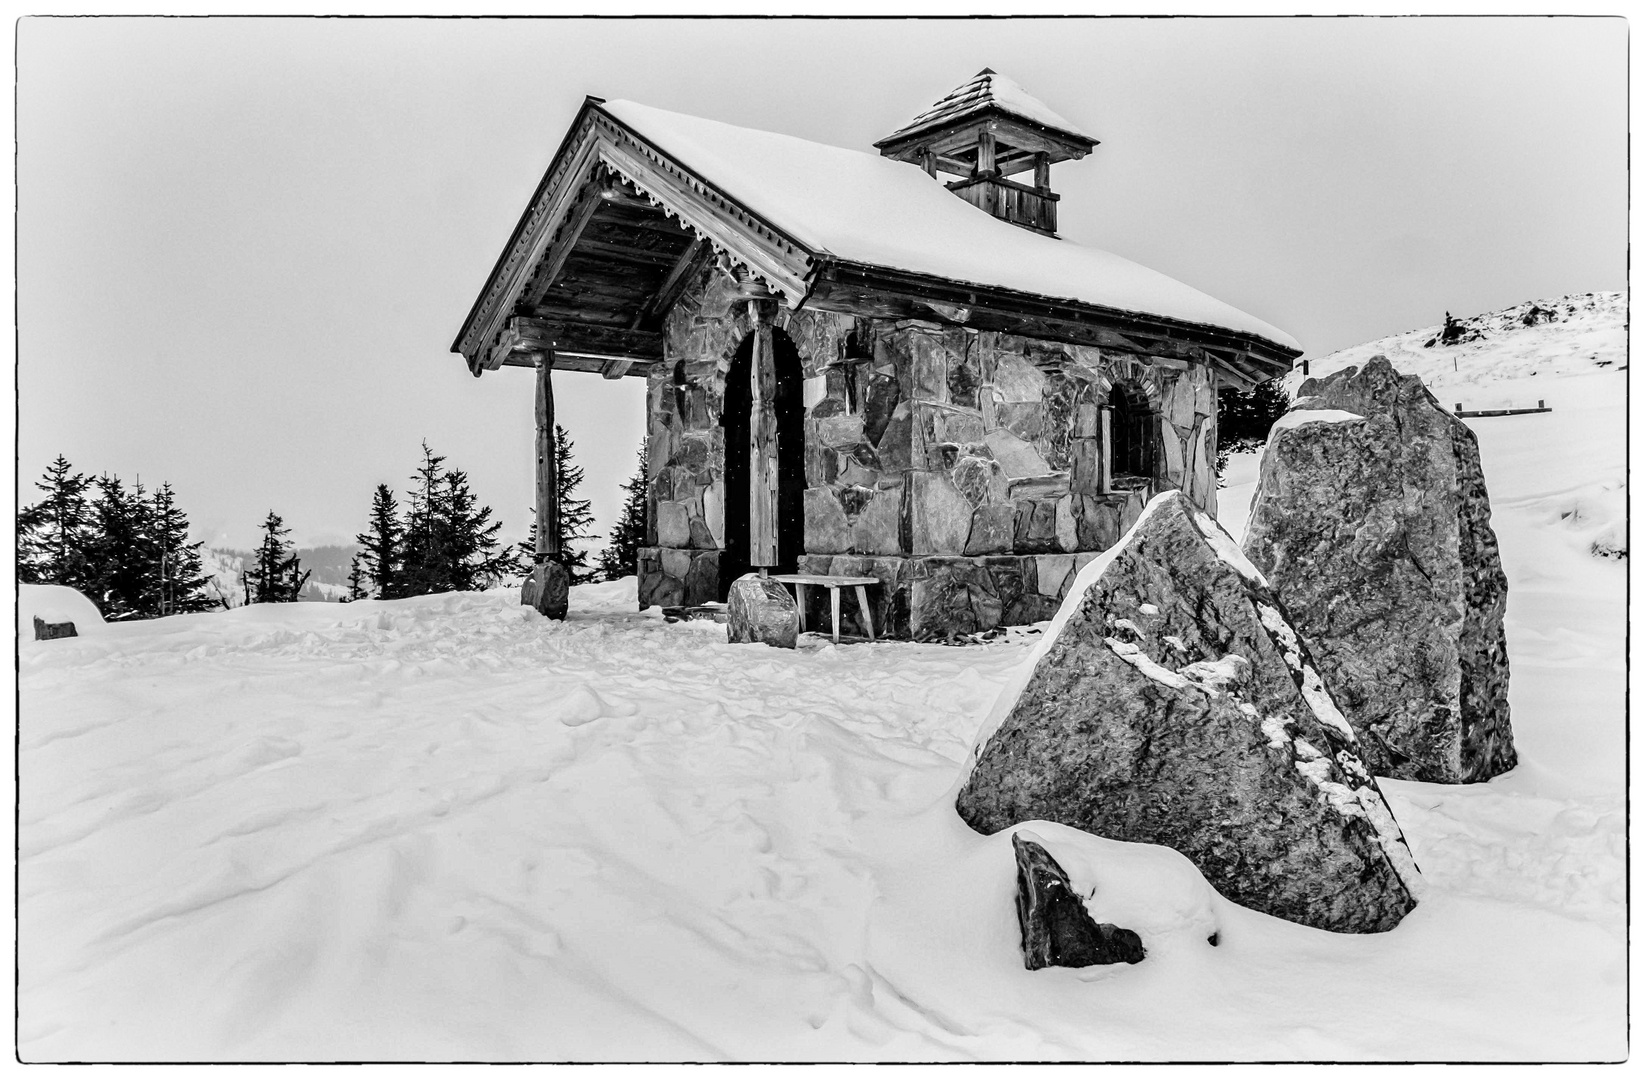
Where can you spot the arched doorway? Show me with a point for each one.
(789, 405)
(1130, 436)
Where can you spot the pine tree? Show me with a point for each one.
(576, 518)
(274, 577)
(356, 580)
(423, 564)
(54, 535)
(621, 557)
(119, 578)
(181, 580)
(449, 541)
(381, 546)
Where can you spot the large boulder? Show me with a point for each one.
(1171, 702)
(761, 610)
(1372, 525)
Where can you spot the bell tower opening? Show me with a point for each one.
(984, 131)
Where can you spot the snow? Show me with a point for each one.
(864, 208)
(322, 831)
(54, 604)
(987, 87)
(1299, 417)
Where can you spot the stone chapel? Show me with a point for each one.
(854, 366)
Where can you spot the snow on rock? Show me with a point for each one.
(1106, 736)
(1298, 417)
(55, 604)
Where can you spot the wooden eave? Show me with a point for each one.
(860, 289)
(943, 137)
(604, 296)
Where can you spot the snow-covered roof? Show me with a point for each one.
(984, 90)
(863, 208)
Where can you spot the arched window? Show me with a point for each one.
(1130, 435)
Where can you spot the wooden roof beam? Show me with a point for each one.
(559, 250)
(678, 278)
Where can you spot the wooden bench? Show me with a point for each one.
(834, 583)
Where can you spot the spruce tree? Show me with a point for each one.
(356, 580)
(54, 535)
(181, 580)
(576, 518)
(423, 565)
(449, 541)
(120, 580)
(621, 557)
(382, 550)
(275, 576)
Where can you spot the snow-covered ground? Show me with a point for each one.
(446, 828)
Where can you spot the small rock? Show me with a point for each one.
(761, 610)
(1057, 931)
(546, 588)
(48, 631)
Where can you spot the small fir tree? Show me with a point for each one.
(275, 576)
(621, 557)
(120, 579)
(356, 580)
(449, 541)
(576, 518)
(423, 562)
(381, 545)
(55, 534)
(181, 582)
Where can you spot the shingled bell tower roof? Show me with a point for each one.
(1022, 126)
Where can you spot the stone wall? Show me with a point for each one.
(949, 459)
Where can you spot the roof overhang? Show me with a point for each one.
(598, 147)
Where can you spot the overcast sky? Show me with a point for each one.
(245, 246)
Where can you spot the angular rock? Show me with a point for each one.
(826, 529)
(941, 516)
(878, 529)
(1057, 931)
(546, 588)
(1017, 458)
(761, 610)
(673, 525)
(1173, 704)
(991, 529)
(51, 631)
(1374, 530)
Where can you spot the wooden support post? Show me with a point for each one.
(1042, 172)
(1105, 461)
(985, 152)
(928, 161)
(548, 491)
(762, 452)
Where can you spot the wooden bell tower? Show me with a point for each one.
(985, 131)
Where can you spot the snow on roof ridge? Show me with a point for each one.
(863, 208)
(984, 89)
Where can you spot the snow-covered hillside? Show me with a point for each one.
(448, 828)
